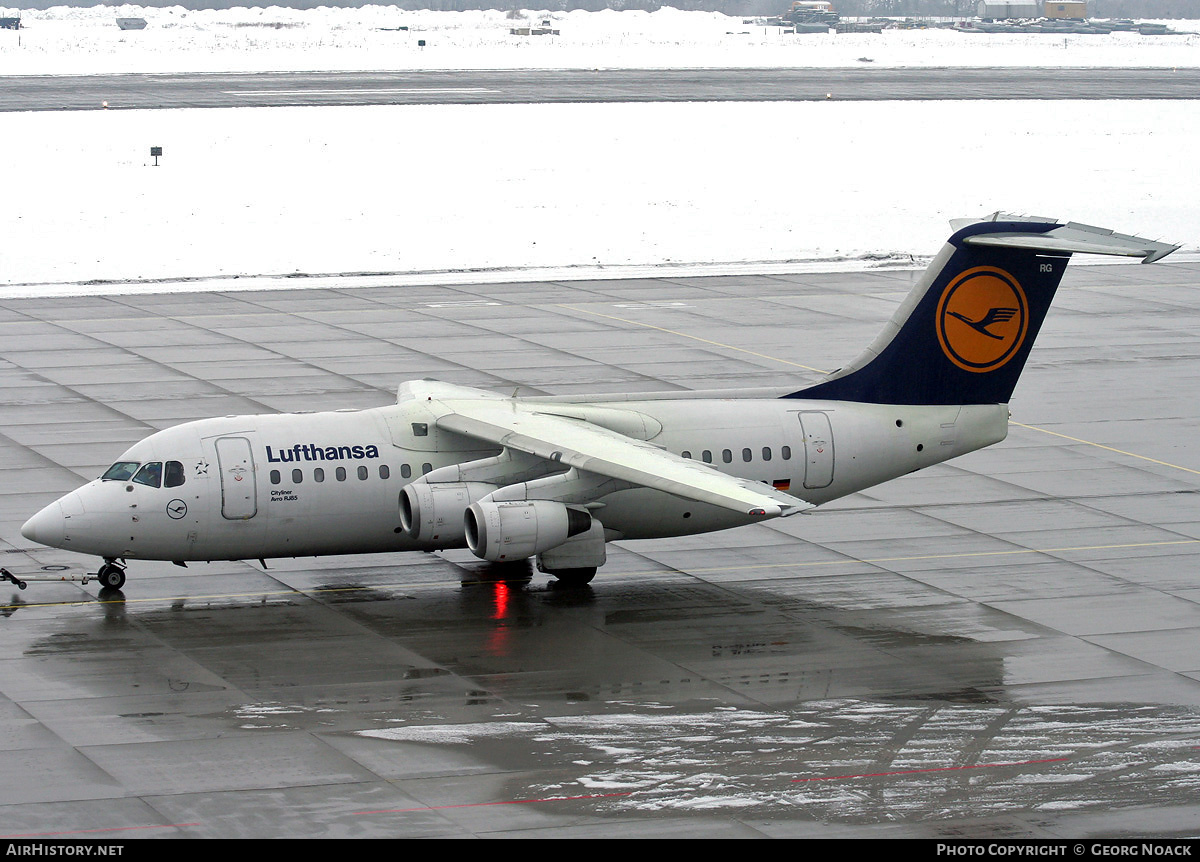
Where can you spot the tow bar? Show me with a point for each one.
(6, 575)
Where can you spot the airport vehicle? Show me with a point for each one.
(558, 478)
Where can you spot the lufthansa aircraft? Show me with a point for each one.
(557, 478)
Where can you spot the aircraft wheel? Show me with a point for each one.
(575, 577)
(111, 577)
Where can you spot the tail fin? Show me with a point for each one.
(962, 335)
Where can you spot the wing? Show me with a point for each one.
(592, 449)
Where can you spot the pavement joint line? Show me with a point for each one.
(822, 371)
(360, 91)
(1106, 448)
(694, 338)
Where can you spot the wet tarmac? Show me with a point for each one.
(1004, 646)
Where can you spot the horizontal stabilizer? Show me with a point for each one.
(1068, 238)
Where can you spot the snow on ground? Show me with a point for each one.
(68, 40)
(814, 757)
(458, 193)
(574, 188)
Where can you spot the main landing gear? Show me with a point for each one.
(111, 575)
(574, 577)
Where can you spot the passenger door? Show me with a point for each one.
(239, 484)
(818, 450)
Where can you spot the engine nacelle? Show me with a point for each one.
(433, 513)
(515, 530)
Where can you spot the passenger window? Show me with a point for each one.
(686, 454)
(121, 471)
(319, 474)
(150, 474)
(340, 473)
(297, 476)
(786, 453)
(766, 453)
(275, 477)
(405, 471)
(174, 476)
(747, 455)
(727, 456)
(362, 472)
(384, 471)
(425, 468)
(706, 456)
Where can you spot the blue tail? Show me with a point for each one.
(964, 332)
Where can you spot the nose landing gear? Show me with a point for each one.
(111, 575)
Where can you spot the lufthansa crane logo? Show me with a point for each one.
(982, 319)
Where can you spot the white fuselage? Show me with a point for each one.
(329, 483)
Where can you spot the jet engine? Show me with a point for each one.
(515, 530)
(434, 513)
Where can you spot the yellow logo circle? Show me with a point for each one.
(982, 319)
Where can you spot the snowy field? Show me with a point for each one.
(568, 189)
(459, 193)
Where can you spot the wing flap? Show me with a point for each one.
(590, 448)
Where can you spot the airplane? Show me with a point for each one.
(557, 478)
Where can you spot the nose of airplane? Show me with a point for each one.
(47, 527)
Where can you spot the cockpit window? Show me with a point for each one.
(150, 474)
(121, 471)
(173, 477)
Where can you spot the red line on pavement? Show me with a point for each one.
(482, 804)
(933, 769)
(94, 831)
